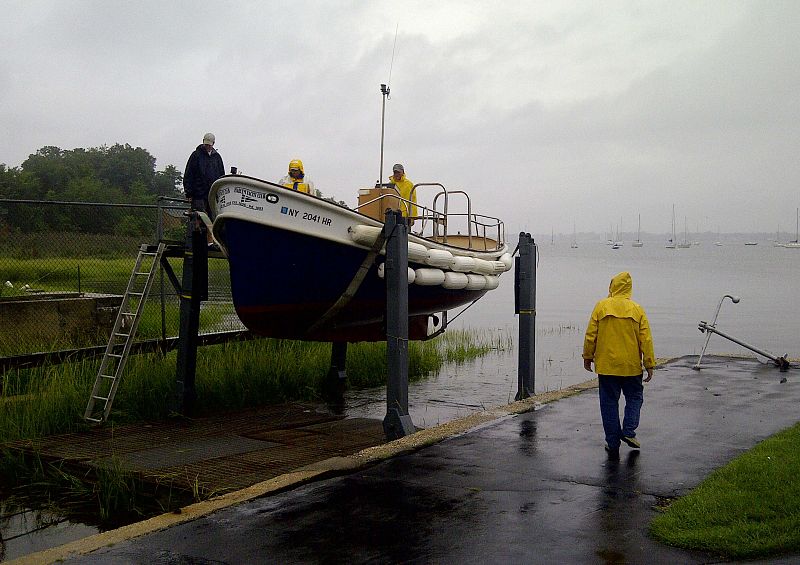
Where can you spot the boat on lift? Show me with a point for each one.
(308, 268)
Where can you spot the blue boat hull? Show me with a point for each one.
(283, 282)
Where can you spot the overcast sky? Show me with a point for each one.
(548, 113)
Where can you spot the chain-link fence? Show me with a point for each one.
(61, 289)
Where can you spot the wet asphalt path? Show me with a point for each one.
(532, 488)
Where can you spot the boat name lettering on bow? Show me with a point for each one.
(249, 195)
(222, 204)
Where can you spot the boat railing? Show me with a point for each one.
(407, 206)
(485, 232)
(439, 222)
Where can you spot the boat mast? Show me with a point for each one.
(384, 95)
(671, 243)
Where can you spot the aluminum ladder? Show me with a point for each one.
(122, 334)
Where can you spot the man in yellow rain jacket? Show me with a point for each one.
(619, 342)
(296, 179)
(404, 186)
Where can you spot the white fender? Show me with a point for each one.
(440, 258)
(476, 282)
(455, 281)
(364, 235)
(492, 282)
(483, 267)
(497, 267)
(507, 260)
(417, 252)
(463, 264)
(411, 274)
(429, 277)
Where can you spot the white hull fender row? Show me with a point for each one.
(439, 258)
(455, 281)
(412, 274)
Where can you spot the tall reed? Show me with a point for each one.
(50, 400)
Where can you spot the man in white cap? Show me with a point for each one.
(203, 168)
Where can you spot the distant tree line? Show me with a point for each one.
(115, 174)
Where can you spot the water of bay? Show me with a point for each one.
(677, 287)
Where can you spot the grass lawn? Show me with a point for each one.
(750, 508)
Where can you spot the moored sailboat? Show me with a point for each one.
(638, 242)
(796, 243)
(671, 241)
(685, 243)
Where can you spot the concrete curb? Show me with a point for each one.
(333, 466)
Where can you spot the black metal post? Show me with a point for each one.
(336, 379)
(194, 288)
(338, 370)
(397, 422)
(525, 294)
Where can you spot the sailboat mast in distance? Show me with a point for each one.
(796, 243)
(685, 243)
(638, 242)
(671, 241)
(574, 244)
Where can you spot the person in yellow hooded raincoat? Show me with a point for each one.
(404, 187)
(618, 342)
(296, 179)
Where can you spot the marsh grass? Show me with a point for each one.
(460, 346)
(107, 495)
(747, 509)
(51, 400)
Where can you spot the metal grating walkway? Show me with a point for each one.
(218, 453)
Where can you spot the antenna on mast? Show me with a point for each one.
(385, 94)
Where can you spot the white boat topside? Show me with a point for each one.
(249, 199)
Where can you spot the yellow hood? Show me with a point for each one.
(621, 285)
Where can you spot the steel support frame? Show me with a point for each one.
(525, 302)
(397, 422)
(194, 289)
